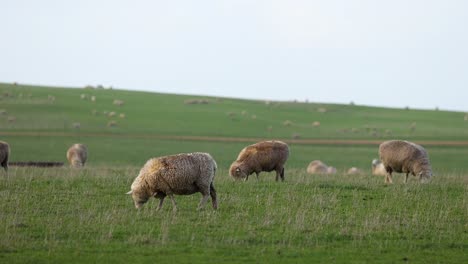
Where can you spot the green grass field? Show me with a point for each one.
(63, 215)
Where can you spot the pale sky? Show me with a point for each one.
(384, 53)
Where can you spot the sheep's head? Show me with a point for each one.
(237, 172)
(139, 198)
(425, 176)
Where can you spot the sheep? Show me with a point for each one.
(93, 98)
(118, 102)
(3, 112)
(287, 123)
(331, 170)
(318, 167)
(77, 155)
(76, 125)
(122, 115)
(112, 123)
(354, 171)
(405, 157)
(4, 155)
(11, 119)
(378, 168)
(182, 174)
(316, 124)
(262, 156)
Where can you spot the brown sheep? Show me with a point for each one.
(4, 155)
(181, 174)
(405, 157)
(77, 155)
(262, 156)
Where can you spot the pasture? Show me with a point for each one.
(78, 216)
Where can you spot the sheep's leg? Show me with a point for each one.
(161, 200)
(203, 200)
(388, 178)
(282, 174)
(214, 200)
(246, 178)
(406, 177)
(256, 174)
(174, 208)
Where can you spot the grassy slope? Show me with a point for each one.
(65, 215)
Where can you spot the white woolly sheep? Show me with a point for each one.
(378, 168)
(4, 155)
(405, 157)
(77, 155)
(180, 174)
(318, 167)
(118, 102)
(263, 156)
(354, 171)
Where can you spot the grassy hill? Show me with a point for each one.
(153, 122)
(61, 215)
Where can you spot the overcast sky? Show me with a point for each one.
(385, 53)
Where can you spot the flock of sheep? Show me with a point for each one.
(189, 173)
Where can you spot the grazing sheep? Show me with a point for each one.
(181, 174)
(76, 125)
(287, 123)
(3, 112)
(4, 155)
(112, 123)
(262, 156)
(405, 157)
(354, 171)
(93, 98)
(83, 96)
(118, 102)
(122, 115)
(316, 124)
(322, 110)
(111, 114)
(51, 98)
(318, 167)
(11, 119)
(378, 168)
(77, 155)
(331, 170)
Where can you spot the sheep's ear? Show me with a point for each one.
(130, 192)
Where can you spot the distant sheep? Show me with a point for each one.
(51, 98)
(287, 123)
(122, 115)
(316, 124)
(118, 102)
(354, 171)
(11, 119)
(262, 156)
(405, 157)
(111, 114)
(93, 98)
(4, 155)
(181, 174)
(112, 123)
(378, 168)
(76, 125)
(3, 112)
(83, 96)
(322, 110)
(318, 167)
(77, 155)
